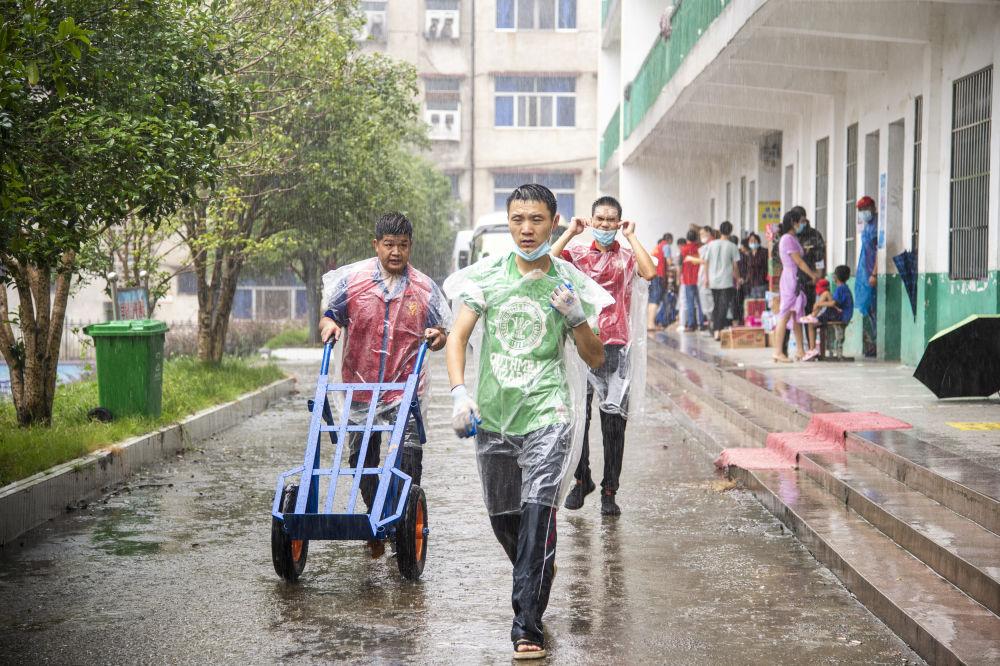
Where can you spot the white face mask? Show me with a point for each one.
(540, 251)
(865, 216)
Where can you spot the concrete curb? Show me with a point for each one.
(28, 503)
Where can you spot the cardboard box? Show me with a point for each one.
(743, 337)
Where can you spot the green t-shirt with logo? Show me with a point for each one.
(522, 376)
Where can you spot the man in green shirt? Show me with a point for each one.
(529, 304)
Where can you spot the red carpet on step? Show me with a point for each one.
(826, 433)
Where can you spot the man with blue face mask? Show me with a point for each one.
(613, 267)
(865, 292)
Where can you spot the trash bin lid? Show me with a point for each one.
(127, 327)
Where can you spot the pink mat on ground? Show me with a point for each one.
(825, 433)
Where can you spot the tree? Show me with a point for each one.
(356, 161)
(110, 111)
(322, 156)
(287, 55)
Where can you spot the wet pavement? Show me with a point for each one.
(176, 569)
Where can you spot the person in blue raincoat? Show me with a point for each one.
(865, 292)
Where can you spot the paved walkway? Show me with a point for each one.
(176, 569)
(876, 386)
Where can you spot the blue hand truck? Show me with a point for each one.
(399, 511)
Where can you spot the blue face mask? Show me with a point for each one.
(754, 246)
(866, 216)
(799, 229)
(539, 252)
(604, 238)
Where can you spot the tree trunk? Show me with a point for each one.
(33, 360)
(312, 278)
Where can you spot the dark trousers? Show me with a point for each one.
(529, 539)
(722, 300)
(412, 463)
(613, 434)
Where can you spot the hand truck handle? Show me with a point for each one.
(324, 368)
(420, 358)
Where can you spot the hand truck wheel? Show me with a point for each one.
(287, 554)
(411, 535)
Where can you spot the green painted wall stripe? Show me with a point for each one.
(941, 302)
(611, 137)
(687, 24)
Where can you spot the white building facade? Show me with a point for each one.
(508, 88)
(740, 109)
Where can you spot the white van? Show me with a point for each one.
(492, 236)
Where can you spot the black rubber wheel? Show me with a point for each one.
(411, 535)
(288, 555)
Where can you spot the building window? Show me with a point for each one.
(441, 19)
(374, 29)
(187, 282)
(851, 206)
(455, 179)
(970, 175)
(444, 85)
(711, 212)
(822, 184)
(729, 200)
(536, 14)
(752, 198)
(563, 185)
(918, 133)
(535, 101)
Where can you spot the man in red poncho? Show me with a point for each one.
(383, 308)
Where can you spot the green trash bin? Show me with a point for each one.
(129, 365)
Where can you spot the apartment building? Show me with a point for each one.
(740, 109)
(508, 89)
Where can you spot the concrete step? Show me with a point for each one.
(939, 621)
(960, 550)
(965, 487)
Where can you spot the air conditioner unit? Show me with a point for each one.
(441, 24)
(444, 125)
(374, 28)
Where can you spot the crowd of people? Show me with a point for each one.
(704, 280)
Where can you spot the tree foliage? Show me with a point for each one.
(110, 110)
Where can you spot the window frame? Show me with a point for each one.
(968, 243)
(557, 10)
(516, 95)
(543, 178)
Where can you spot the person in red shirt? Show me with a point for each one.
(382, 309)
(694, 317)
(613, 267)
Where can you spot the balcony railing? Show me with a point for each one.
(611, 137)
(689, 22)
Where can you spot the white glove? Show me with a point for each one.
(464, 412)
(568, 304)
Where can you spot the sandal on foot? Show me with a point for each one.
(781, 359)
(528, 654)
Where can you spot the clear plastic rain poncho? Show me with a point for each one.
(384, 318)
(619, 384)
(530, 379)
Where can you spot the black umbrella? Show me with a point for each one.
(906, 265)
(963, 361)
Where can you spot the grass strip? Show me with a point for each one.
(291, 337)
(188, 386)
